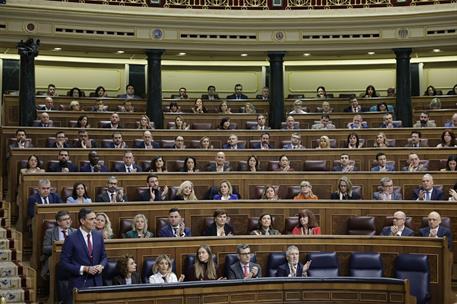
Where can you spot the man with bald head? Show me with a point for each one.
(427, 192)
(148, 141)
(452, 123)
(220, 165)
(398, 227)
(48, 105)
(434, 228)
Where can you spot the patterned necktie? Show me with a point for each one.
(89, 245)
(245, 271)
(64, 234)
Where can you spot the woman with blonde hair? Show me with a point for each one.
(381, 141)
(344, 191)
(139, 228)
(163, 271)
(306, 192)
(204, 267)
(225, 192)
(186, 192)
(103, 224)
(324, 142)
(144, 123)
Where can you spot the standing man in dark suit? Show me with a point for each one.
(83, 254)
(434, 228)
(44, 196)
(427, 192)
(64, 164)
(244, 269)
(128, 165)
(154, 193)
(176, 226)
(293, 268)
(94, 164)
(398, 228)
(238, 94)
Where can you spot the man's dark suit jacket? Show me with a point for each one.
(51, 236)
(406, 231)
(55, 167)
(77, 144)
(349, 109)
(87, 168)
(234, 96)
(108, 126)
(211, 230)
(205, 96)
(261, 97)
(389, 167)
(122, 168)
(437, 195)
(284, 270)
(336, 196)
(136, 279)
(27, 144)
(75, 254)
(212, 167)
(65, 145)
(258, 145)
(442, 231)
(167, 231)
(339, 168)
(146, 195)
(235, 271)
(141, 145)
(111, 145)
(35, 199)
(104, 197)
(238, 146)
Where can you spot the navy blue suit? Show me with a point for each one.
(238, 146)
(75, 254)
(87, 168)
(35, 199)
(55, 167)
(234, 96)
(389, 167)
(284, 270)
(167, 231)
(406, 231)
(437, 195)
(141, 145)
(442, 231)
(122, 168)
(258, 145)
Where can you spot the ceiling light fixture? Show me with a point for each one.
(56, 49)
(244, 55)
(436, 50)
(120, 52)
(182, 54)
(371, 53)
(306, 54)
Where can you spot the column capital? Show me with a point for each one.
(277, 55)
(28, 47)
(403, 53)
(154, 52)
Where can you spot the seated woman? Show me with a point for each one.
(269, 193)
(100, 92)
(173, 107)
(448, 139)
(265, 227)
(253, 164)
(190, 165)
(103, 224)
(321, 92)
(139, 228)
(451, 163)
(381, 141)
(145, 123)
(284, 164)
(162, 271)
(75, 93)
(82, 122)
(79, 195)
(198, 107)
(205, 143)
(158, 165)
(223, 108)
(430, 91)
(224, 124)
(370, 92)
(353, 141)
(307, 224)
(32, 165)
(186, 192)
(99, 106)
(127, 271)
(220, 226)
(381, 107)
(75, 106)
(180, 124)
(453, 193)
(204, 267)
(306, 192)
(344, 191)
(225, 192)
(249, 108)
(324, 142)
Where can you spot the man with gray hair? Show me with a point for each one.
(43, 196)
(434, 228)
(427, 192)
(386, 191)
(113, 193)
(244, 269)
(398, 227)
(293, 268)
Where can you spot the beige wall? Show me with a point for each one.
(443, 76)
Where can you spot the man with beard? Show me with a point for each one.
(113, 193)
(64, 164)
(94, 164)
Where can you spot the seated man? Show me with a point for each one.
(64, 164)
(94, 164)
(61, 141)
(58, 233)
(265, 94)
(212, 95)
(398, 228)
(424, 122)
(414, 164)
(21, 140)
(388, 122)
(382, 165)
(293, 268)
(175, 226)
(148, 141)
(154, 193)
(221, 165)
(357, 123)
(179, 143)
(452, 123)
(113, 193)
(44, 196)
(127, 107)
(51, 90)
(264, 143)
(434, 228)
(232, 143)
(354, 107)
(84, 141)
(290, 123)
(427, 192)
(48, 105)
(45, 122)
(298, 108)
(118, 142)
(182, 94)
(238, 94)
(261, 123)
(129, 93)
(386, 193)
(244, 269)
(324, 123)
(345, 164)
(415, 140)
(295, 142)
(114, 122)
(128, 164)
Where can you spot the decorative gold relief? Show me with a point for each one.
(298, 4)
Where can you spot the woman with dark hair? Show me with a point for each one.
(225, 192)
(32, 165)
(139, 228)
(75, 93)
(220, 227)
(353, 141)
(265, 227)
(190, 165)
(223, 108)
(453, 193)
(307, 224)
(253, 164)
(453, 91)
(284, 164)
(430, 91)
(127, 272)
(344, 191)
(382, 107)
(451, 163)
(370, 92)
(100, 92)
(204, 267)
(225, 123)
(79, 195)
(321, 92)
(158, 165)
(448, 139)
(270, 193)
(163, 271)
(198, 107)
(174, 107)
(82, 122)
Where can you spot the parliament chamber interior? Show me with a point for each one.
(235, 151)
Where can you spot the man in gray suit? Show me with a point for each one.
(58, 233)
(244, 269)
(386, 192)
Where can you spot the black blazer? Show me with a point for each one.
(211, 230)
(233, 96)
(146, 195)
(336, 196)
(136, 279)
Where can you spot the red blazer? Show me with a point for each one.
(297, 230)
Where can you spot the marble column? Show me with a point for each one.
(403, 109)
(154, 76)
(276, 115)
